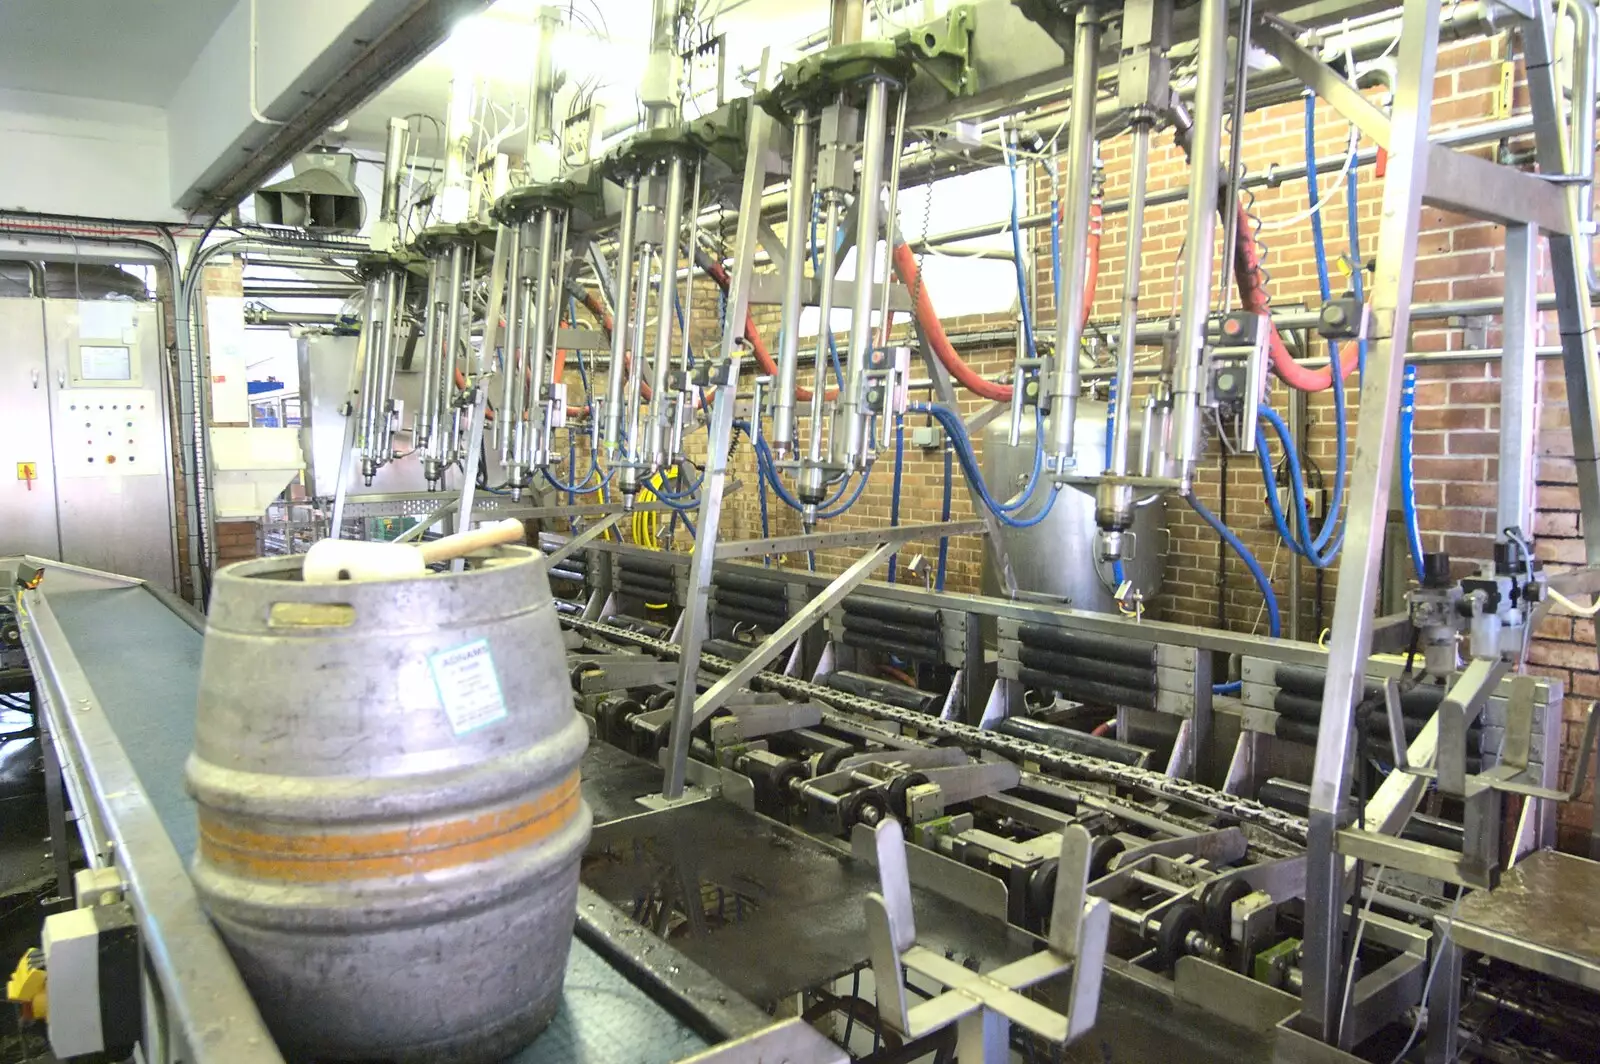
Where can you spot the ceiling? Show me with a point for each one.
(104, 49)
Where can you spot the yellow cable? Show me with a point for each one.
(644, 527)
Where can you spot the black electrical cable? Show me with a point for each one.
(1222, 546)
(850, 1013)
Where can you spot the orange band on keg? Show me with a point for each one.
(333, 857)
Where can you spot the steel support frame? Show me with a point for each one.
(1569, 268)
(1327, 888)
(730, 682)
(584, 538)
(1519, 382)
(760, 161)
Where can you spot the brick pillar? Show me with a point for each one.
(236, 541)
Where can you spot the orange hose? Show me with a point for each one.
(905, 267)
(1254, 298)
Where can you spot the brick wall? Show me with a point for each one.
(237, 541)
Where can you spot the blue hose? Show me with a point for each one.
(761, 487)
(1055, 249)
(767, 468)
(899, 477)
(861, 483)
(677, 305)
(578, 489)
(1323, 548)
(944, 515)
(1357, 284)
(1273, 622)
(1111, 417)
(678, 496)
(1319, 554)
(1016, 248)
(1227, 688)
(956, 433)
(1408, 480)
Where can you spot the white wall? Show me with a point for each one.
(70, 155)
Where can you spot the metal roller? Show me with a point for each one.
(765, 621)
(895, 694)
(387, 809)
(650, 591)
(899, 612)
(639, 625)
(932, 638)
(643, 564)
(1053, 735)
(1308, 681)
(1106, 648)
(778, 609)
(750, 585)
(1091, 691)
(863, 641)
(1134, 676)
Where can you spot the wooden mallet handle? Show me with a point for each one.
(439, 550)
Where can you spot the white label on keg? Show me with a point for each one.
(468, 686)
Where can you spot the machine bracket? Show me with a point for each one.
(983, 1006)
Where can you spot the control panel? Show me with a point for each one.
(108, 432)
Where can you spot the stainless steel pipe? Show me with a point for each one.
(666, 298)
(798, 228)
(1200, 237)
(1064, 385)
(620, 316)
(869, 193)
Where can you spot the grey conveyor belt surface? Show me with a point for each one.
(144, 663)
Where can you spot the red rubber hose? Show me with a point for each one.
(1253, 297)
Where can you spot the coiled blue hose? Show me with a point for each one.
(836, 511)
(768, 470)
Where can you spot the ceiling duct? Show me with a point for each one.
(322, 195)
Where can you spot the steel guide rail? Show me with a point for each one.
(1245, 810)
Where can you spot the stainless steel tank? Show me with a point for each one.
(390, 816)
(1057, 556)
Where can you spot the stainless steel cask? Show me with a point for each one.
(386, 776)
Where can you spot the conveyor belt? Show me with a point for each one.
(1245, 810)
(144, 663)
